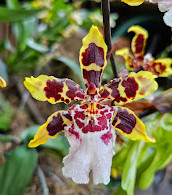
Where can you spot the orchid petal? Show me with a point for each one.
(53, 90)
(130, 126)
(164, 5)
(168, 18)
(91, 145)
(138, 41)
(129, 59)
(93, 57)
(133, 2)
(54, 124)
(159, 67)
(2, 82)
(126, 89)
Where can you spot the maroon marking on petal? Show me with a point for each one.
(80, 94)
(107, 137)
(92, 76)
(72, 86)
(119, 139)
(67, 115)
(93, 54)
(102, 121)
(79, 114)
(67, 101)
(139, 43)
(53, 89)
(72, 108)
(102, 112)
(140, 58)
(127, 121)
(151, 67)
(108, 116)
(104, 93)
(91, 127)
(71, 130)
(55, 125)
(115, 92)
(96, 128)
(84, 106)
(131, 86)
(79, 123)
(99, 106)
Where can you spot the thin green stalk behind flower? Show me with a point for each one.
(90, 127)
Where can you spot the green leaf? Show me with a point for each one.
(6, 45)
(157, 158)
(5, 138)
(13, 4)
(17, 15)
(36, 46)
(129, 171)
(133, 21)
(161, 159)
(145, 159)
(23, 31)
(74, 66)
(29, 133)
(16, 172)
(59, 143)
(119, 158)
(166, 123)
(119, 191)
(6, 113)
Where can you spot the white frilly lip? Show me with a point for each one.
(168, 18)
(165, 5)
(89, 154)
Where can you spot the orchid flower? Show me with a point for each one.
(164, 5)
(2, 82)
(137, 60)
(90, 127)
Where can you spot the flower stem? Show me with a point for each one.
(43, 181)
(107, 33)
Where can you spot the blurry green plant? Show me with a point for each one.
(138, 162)
(16, 172)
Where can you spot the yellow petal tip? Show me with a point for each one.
(133, 2)
(2, 82)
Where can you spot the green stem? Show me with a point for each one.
(107, 33)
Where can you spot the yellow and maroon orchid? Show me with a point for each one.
(90, 127)
(137, 60)
(2, 82)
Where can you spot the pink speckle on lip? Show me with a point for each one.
(106, 137)
(71, 130)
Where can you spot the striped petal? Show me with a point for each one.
(130, 126)
(93, 57)
(2, 82)
(133, 2)
(54, 124)
(53, 90)
(138, 41)
(130, 63)
(126, 89)
(159, 67)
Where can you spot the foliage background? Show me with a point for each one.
(36, 38)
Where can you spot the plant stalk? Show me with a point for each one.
(107, 33)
